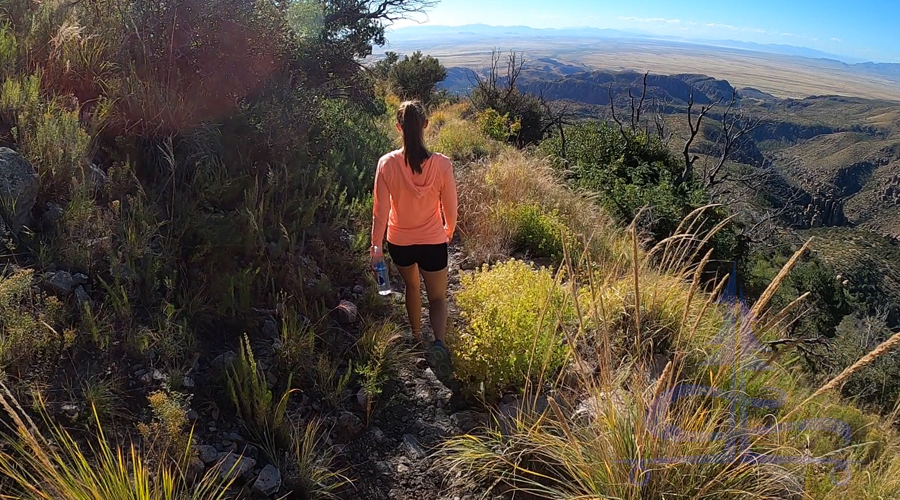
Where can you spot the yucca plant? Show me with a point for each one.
(57, 467)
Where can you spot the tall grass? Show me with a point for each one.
(381, 354)
(57, 466)
(602, 434)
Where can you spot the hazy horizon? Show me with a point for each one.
(853, 33)
(775, 48)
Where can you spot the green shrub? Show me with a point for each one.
(630, 172)
(355, 143)
(412, 77)
(167, 435)
(510, 312)
(57, 146)
(30, 323)
(462, 141)
(496, 126)
(536, 231)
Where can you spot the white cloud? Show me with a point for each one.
(650, 20)
(680, 25)
(726, 26)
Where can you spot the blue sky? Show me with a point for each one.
(863, 29)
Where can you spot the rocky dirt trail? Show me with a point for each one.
(394, 457)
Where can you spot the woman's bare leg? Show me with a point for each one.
(413, 299)
(436, 288)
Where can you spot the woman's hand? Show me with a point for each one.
(377, 254)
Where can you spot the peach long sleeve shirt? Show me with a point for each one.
(410, 205)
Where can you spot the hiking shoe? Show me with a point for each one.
(440, 361)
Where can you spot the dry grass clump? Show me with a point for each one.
(515, 179)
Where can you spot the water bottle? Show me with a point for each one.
(381, 274)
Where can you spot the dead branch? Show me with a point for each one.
(354, 11)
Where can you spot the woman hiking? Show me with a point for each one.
(413, 186)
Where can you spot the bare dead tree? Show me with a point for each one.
(612, 109)
(514, 65)
(734, 127)
(688, 174)
(487, 81)
(659, 122)
(488, 87)
(809, 347)
(557, 116)
(636, 110)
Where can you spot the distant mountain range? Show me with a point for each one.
(487, 31)
(483, 31)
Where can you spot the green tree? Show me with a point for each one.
(412, 77)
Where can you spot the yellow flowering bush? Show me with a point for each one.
(512, 330)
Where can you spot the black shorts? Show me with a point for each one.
(430, 258)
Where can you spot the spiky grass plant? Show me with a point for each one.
(309, 468)
(263, 416)
(56, 466)
(599, 440)
(381, 355)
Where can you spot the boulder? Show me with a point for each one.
(81, 298)
(224, 361)
(467, 421)
(208, 454)
(346, 312)
(62, 283)
(268, 482)
(413, 448)
(270, 328)
(53, 213)
(19, 184)
(233, 465)
(349, 425)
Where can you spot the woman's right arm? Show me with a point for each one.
(381, 207)
(449, 201)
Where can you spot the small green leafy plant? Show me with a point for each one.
(537, 231)
(498, 127)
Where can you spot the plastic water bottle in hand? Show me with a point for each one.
(381, 273)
